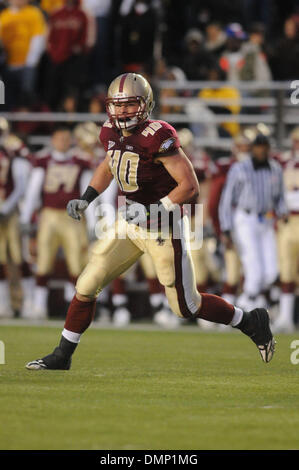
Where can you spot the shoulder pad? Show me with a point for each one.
(107, 124)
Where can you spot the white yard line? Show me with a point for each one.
(97, 325)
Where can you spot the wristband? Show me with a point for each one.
(168, 204)
(90, 194)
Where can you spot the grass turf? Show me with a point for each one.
(148, 390)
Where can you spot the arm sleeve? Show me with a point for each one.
(91, 29)
(227, 200)
(20, 173)
(36, 48)
(32, 195)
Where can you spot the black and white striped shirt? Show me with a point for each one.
(255, 190)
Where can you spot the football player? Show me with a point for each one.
(58, 175)
(146, 159)
(14, 173)
(288, 238)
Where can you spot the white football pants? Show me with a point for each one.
(256, 243)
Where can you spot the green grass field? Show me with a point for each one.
(139, 389)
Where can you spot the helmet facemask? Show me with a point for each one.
(126, 120)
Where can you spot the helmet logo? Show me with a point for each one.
(120, 95)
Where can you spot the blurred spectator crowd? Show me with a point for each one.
(61, 54)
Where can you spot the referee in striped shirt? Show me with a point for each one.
(251, 200)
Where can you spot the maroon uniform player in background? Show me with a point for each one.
(14, 172)
(146, 159)
(59, 173)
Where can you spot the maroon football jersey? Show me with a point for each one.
(133, 159)
(6, 180)
(290, 165)
(62, 178)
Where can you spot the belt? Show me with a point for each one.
(260, 215)
(250, 211)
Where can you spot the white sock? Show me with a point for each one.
(4, 294)
(28, 284)
(238, 315)
(156, 299)
(69, 291)
(71, 336)
(286, 308)
(119, 299)
(41, 297)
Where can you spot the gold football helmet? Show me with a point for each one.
(4, 126)
(186, 137)
(294, 135)
(12, 143)
(87, 135)
(129, 88)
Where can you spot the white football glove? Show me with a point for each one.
(75, 207)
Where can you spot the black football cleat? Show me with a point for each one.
(54, 361)
(255, 324)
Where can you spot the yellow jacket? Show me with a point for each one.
(17, 28)
(224, 93)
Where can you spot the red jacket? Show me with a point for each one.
(68, 33)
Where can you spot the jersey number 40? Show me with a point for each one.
(124, 169)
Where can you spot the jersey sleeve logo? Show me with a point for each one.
(167, 144)
(110, 144)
